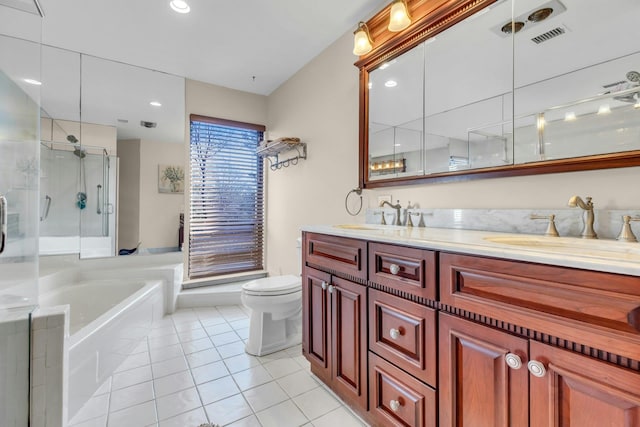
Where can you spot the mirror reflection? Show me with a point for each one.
(521, 81)
(107, 127)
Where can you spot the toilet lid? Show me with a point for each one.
(275, 285)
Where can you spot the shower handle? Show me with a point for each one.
(47, 201)
(3, 222)
(98, 210)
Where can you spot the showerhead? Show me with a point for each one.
(79, 152)
(72, 139)
(633, 76)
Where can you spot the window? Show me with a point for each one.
(226, 220)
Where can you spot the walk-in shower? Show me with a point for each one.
(77, 199)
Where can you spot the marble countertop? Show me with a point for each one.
(598, 255)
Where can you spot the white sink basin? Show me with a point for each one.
(584, 247)
(354, 227)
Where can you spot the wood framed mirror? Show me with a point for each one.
(484, 88)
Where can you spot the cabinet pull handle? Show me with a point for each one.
(536, 368)
(513, 361)
(394, 405)
(324, 285)
(394, 269)
(331, 288)
(394, 333)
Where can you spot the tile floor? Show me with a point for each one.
(192, 369)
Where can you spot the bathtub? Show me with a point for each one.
(107, 320)
(108, 307)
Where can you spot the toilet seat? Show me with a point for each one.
(273, 286)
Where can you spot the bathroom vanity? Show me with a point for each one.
(426, 327)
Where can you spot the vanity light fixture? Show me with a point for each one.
(155, 104)
(33, 82)
(604, 109)
(180, 6)
(362, 43)
(399, 17)
(569, 116)
(391, 83)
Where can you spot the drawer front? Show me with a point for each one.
(404, 333)
(585, 307)
(405, 269)
(398, 399)
(338, 254)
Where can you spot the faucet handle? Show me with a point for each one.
(551, 231)
(381, 213)
(626, 234)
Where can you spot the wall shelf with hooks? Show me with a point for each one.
(272, 150)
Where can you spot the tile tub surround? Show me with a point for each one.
(192, 370)
(568, 221)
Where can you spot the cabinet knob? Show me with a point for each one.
(394, 333)
(324, 285)
(394, 405)
(536, 368)
(331, 288)
(394, 269)
(513, 361)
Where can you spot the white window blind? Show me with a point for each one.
(227, 209)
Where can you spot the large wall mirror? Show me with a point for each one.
(500, 88)
(106, 130)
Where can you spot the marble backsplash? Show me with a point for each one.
(608, 223)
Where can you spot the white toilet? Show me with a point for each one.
(276, 312)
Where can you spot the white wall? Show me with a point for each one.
(320, 105)
(128, 193)
(159, 212)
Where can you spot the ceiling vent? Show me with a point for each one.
(146, 124)
(614, 84)
(558, 31)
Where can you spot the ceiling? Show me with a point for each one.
(226, 43)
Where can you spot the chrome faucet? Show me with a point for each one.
(588, 216)
(397, 207)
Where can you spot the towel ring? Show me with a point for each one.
(358, 191)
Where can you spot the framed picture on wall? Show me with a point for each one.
(170, 179)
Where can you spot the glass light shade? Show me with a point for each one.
(362, 43)
(399, 18)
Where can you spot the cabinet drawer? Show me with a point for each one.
(398, 399)
(404, 333)
(338, 254)
(405, 269)
(597, 309)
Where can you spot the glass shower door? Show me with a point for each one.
(19, 193)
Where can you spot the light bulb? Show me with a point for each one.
(180, 6)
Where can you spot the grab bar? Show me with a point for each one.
(98, 210)
(47, 205)
(3, 222)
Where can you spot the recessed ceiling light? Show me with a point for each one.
(180, 6)
(397, 145)
(155, 104)
(33, 82)
(391, 83)
(370, 85)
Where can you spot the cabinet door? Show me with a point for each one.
(349, 345)
(477, 387)
(579, 391)
(315, 320)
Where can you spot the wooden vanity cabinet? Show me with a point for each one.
(482, 384)
(334, 333)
